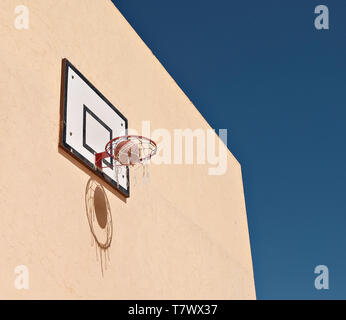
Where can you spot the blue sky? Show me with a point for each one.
(262, 70)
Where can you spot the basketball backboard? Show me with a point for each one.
(88, 122)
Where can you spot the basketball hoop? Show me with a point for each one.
(127, 151)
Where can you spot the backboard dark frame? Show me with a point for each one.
(62, 139)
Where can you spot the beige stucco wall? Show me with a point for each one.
(184, 235)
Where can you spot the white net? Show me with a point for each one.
(134, 152)
(131, 150)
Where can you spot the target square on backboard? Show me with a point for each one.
(88, 122)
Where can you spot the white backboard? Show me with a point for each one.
(89, 121)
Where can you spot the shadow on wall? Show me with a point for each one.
(100, 220)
